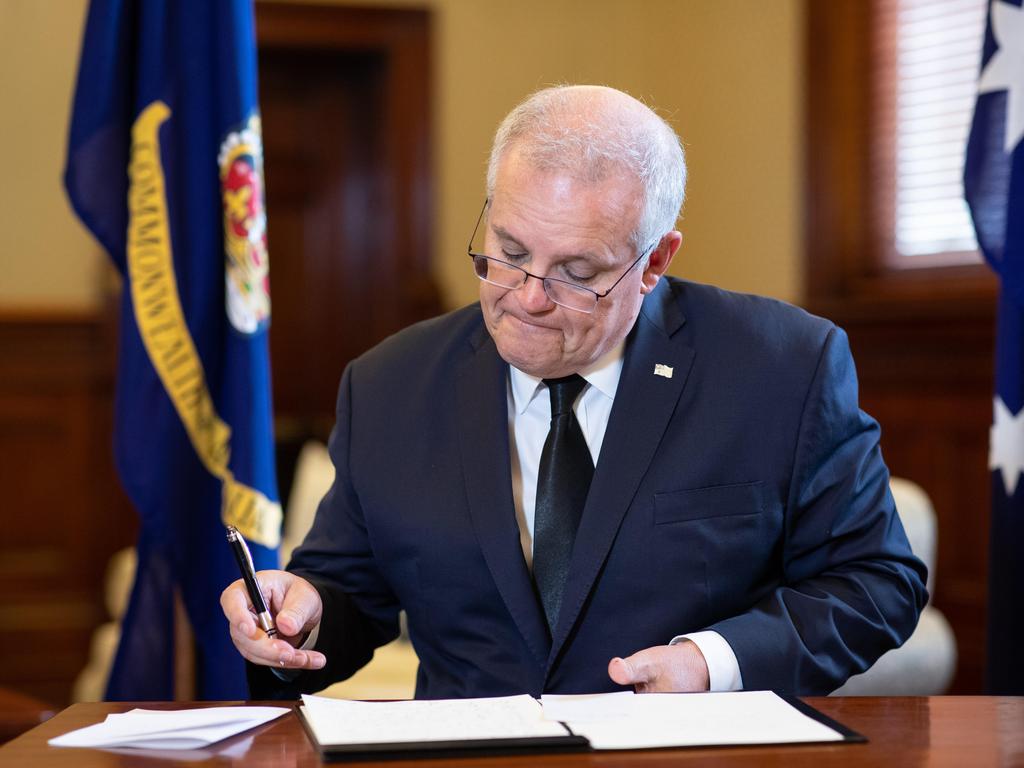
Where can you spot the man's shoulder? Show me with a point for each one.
(713, 311)
(697, 297)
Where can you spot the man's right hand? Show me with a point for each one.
(296, 607)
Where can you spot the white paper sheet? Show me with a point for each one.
(586, 706)
(339, 722)
(614, 721)
(169, 729)
(235, 750)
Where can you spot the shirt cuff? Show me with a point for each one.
(310, 642)
(723, 668)
(287, 675)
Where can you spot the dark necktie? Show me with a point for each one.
(563, 481)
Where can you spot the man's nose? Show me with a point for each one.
(532, 296)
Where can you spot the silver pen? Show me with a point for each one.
(245, 565)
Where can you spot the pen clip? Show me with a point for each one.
(234, 535)
(248, 554)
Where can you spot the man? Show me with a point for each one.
(706, 508)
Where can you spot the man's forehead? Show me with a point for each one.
(586, 167)
(520, 183)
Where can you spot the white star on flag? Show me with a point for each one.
(1006, 445)
(1005, 70)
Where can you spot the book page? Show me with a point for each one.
(614, 721)
(340, 722)
(586, 706)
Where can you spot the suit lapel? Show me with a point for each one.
(643, 406)
(482, 390)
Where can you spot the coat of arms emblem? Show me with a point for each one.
(246, 268)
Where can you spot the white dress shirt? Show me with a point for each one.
(529, 419)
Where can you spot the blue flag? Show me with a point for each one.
(994, 188)
(165, 168)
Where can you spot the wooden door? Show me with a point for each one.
(344, 97)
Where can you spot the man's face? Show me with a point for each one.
(555, 226)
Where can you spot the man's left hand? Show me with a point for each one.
(676, 668)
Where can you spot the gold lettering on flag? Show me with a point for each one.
(165, 334)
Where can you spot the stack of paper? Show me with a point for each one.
(169, 729)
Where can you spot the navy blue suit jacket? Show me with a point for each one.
(746, 494)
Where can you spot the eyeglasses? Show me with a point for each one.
(562, 292)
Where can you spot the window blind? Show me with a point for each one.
(927, 56)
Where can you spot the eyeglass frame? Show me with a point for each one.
(544, 280)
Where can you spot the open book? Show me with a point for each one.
(599, 721)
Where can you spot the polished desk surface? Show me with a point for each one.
(940, 730)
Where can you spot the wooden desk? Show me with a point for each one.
(942, 730)
(19, 712)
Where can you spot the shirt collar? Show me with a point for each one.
(603, 375)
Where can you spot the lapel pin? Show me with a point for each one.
(660, 369)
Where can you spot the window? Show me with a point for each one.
(891, 86)
(926, 58)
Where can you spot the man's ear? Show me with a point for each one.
(659, 260)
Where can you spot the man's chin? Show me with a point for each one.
(533, 349)
(526, 362)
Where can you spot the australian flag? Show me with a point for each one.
(165, 166)
(994, 188)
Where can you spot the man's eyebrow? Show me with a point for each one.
(504, 234)
(597, 259)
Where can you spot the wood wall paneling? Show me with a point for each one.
(936, 433)
(63, 515)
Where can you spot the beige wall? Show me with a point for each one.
(46, 258)
(727, 73)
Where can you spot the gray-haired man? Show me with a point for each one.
(598, 476)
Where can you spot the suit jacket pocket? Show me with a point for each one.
(710, 502)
